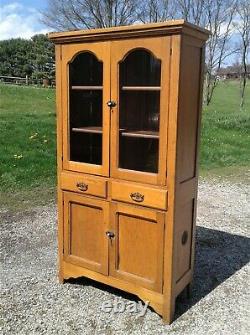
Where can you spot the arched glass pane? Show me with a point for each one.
(139, 106)
(85, 103)
(85, 70)
(140, 68)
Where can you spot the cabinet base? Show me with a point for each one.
(155, 299)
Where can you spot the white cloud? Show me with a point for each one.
(17, 20)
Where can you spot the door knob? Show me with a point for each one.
(110, 234)
(111, 103)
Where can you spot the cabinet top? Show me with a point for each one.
(172, 27)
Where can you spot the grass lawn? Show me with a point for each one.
(28, 137)
(225, 141)
(27, 145)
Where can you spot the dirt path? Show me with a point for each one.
(32, 301)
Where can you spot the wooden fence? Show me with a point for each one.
(26, 81)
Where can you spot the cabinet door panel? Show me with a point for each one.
(137, 248)
(86, 90)
(85, 242)
(140, 84)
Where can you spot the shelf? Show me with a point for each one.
(90, 130)
(141, 134)
(141, 88)
(136, 133)
(86, 88)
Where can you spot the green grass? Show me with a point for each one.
(27, 142)
(28, 138)
(225, 138)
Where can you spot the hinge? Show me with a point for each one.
(62, 158)
(171, 50)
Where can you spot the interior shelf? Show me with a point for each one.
(126, 133)
(141, 134)
(141, 88)
(86, 88)
(91, 130)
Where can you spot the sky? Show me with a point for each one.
(21, 18)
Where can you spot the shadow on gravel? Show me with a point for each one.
(218, 256)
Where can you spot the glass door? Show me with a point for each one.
(86, 91)
(139, 76)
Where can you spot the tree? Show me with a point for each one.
(79, 14)
(219, 17)
(34, 57)
(192, 11)
(13, 57)
(156, 11)
(242, 26)
(215, 15)
(43, 57)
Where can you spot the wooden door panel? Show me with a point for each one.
(85, 242)
(159, 48)
(100, 166)
(136, 252)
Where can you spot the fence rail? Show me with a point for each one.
(26, 81)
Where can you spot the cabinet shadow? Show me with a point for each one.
(218, 256)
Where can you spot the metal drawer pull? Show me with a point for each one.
(82, 186)
(138, 197)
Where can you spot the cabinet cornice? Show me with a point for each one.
(147, 30)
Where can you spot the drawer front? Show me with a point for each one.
(139, 195)
(84, 184)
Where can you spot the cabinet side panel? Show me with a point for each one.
(59, 158)
(188, 135)
(184, 238)
(169, 284)
(188, 111)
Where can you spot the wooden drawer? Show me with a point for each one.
(139, 195)
(84, 184)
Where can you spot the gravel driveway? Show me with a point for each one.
(33, 302)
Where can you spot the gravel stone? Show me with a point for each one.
(33, 302)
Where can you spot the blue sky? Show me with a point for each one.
(20, 18)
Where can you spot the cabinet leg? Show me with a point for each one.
(60, 277)
(189, 291)
(168, 313)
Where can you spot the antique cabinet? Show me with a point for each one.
(128, 124)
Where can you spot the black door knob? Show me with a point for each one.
(110, 234)
(111, 103)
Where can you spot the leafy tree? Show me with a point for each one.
(21, 57)
(43, 57)
(14, 54)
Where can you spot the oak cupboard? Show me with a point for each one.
(128, 124)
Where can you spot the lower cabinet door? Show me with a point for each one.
(136, 250)
(85, 241)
